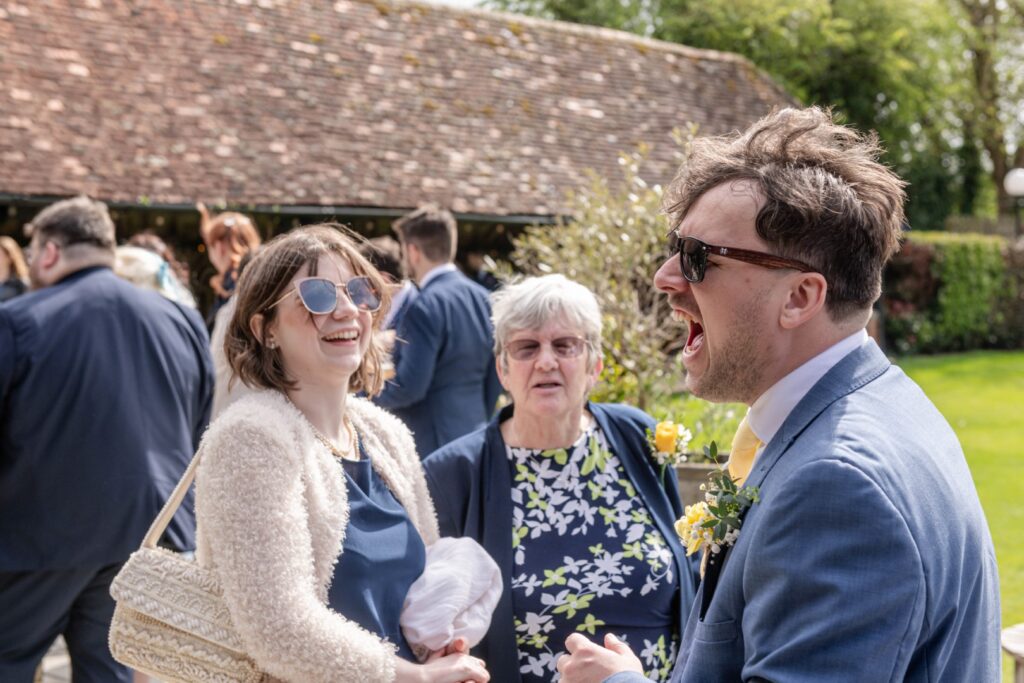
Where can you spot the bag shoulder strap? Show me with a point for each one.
(159, 524)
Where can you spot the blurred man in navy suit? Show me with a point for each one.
(445, 382)
(105, 390)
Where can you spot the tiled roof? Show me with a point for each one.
(371, 103)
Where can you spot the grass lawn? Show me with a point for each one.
(982, 396)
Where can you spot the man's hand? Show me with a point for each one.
(588, 662)
(458, 646)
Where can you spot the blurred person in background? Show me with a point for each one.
(564, 495)
(13, 271)
(386, 256)
(105, 389)
(445, 384)
(481, 268)
(147, 261)
(385, 253)
(311, 505)
(152, 242)
(227, 387)
(230, 238)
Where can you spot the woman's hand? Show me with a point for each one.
(452, 668)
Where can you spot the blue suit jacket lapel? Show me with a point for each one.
(859, 367)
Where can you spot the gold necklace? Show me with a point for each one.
(352, 453)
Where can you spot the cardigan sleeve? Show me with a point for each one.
(249, 502)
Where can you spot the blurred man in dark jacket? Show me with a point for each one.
(105, 390)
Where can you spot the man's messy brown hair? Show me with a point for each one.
(828, 201)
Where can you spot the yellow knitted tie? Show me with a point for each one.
(744, 448)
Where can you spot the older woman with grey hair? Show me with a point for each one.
(563, 494)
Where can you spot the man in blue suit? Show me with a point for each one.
(867, 556)
(445, 382)
(104, 391)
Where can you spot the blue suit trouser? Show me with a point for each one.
(37, 606)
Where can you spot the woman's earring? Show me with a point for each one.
(271, 344)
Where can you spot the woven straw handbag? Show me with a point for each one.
(170, 620)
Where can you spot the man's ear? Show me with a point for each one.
(49, 255)
(805, 299)
(412, 253)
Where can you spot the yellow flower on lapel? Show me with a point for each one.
(714, 523)
(665, 436)
(690, 526)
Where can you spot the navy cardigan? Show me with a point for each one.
(471, 486)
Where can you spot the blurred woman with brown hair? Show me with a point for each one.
(13, 271)
(228, 237)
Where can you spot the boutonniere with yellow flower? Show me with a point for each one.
(668, 443)
(714, 523)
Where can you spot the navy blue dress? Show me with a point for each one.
(382, 556)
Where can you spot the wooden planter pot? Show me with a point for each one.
(691, 476)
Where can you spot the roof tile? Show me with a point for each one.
(364, 102)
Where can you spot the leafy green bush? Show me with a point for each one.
(950, 292)
(613, 242)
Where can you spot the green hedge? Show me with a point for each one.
(951, 292)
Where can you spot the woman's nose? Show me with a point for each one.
(344, 308)
(546, 358)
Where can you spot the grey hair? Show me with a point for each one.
(73, 222)
(530, 303)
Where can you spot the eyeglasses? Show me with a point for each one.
(693, 257)
(528, 349)
(320, 295)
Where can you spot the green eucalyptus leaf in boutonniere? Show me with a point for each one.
(714, 523)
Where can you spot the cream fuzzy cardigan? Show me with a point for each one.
(271, 515)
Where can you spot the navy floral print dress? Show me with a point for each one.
(584, 550)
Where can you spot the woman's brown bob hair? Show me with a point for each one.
(268, 277)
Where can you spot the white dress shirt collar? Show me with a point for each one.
(772, 408)
(436, 271)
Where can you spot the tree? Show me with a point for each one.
(621, 223)
(994, 114)
(893, 66)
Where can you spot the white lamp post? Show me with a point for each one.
(1014, 185)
